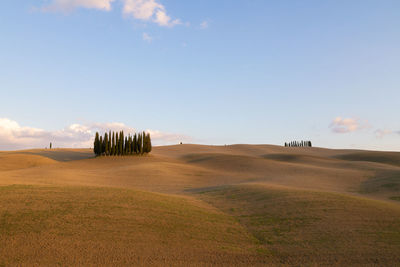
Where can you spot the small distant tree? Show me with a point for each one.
(51, 145)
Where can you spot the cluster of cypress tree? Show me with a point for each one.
(299, 144)
(116, 144)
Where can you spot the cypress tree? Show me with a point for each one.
(128, 145)
(105, 143)
(121, 143)
(100, 149)
(116, 144)
(96, 144)
(149, 146)
(113, 144)
(143, 142)
(134, 144)
(124, 146)
(131, 145)
(103, 146)
(139, 143)
(120, 147)
(109, 143)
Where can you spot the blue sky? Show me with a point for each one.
(212, 72)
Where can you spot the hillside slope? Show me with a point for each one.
(200, 205)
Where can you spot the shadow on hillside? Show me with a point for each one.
(62, 155)
(387, 181)
(391, 158)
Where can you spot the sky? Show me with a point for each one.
(207, 72)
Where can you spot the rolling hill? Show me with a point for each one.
(201, 205)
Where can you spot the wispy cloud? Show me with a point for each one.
(380, 133)
(347, 125)
(14, 136)
(149, 10)
(147, 37)
(205, 24)
(144, 10)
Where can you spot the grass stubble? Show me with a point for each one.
(197, 205)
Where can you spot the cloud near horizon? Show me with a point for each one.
(70, 5)
(347, 125)
(379, 133)
(145, 10)
(13, 136)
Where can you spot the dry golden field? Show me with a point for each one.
(191, 205)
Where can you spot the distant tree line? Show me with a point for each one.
(299, 144)
(116, 144)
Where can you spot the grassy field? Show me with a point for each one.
(200, 205)
(309, 227)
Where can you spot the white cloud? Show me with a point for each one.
(347, 125)
(168, 138)
(147, 37)
(13, 136)
(69, 5)
(149, 10)
(145, 10)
